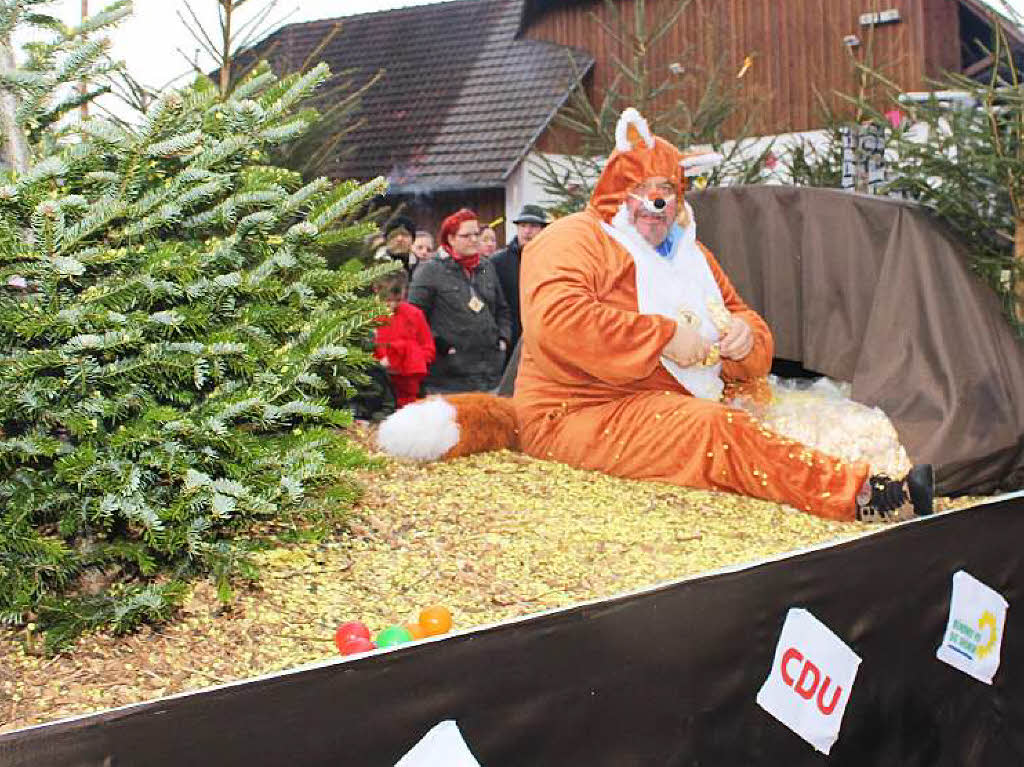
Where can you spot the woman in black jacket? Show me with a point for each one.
(469, 318)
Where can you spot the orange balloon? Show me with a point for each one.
(435, 620)
(417, 631)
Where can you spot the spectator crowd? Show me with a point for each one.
(454, 317)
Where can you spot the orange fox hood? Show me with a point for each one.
(638, 155)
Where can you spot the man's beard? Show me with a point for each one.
(652, 227)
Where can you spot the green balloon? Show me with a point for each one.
(393, 635)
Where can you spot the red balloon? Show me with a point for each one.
(350, 630)
(356, 645)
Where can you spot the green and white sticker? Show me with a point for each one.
(974, 633)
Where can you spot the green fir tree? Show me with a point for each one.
(959, 151)
(171, 340)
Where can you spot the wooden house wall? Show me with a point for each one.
(428, 211)
(796, 45)
(941, 32)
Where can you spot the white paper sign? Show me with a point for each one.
(810, 680)
(974, 633)
(443, 746)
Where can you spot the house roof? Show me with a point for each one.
(534, 9)
(978, 43)
(461, 101)
(983, 9)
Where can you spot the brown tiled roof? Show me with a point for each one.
(461, 101)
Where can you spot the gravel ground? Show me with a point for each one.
(491, 537)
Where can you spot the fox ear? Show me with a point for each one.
(633, 135)
(685, 216)
(631, 129)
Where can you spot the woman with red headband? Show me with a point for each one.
(469, 318)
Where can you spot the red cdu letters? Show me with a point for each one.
(807, 684)
(826, 710)
(808, 692)
(791, 654)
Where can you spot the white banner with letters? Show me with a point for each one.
(810, 680)
(974, 632)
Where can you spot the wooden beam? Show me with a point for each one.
(978, 66)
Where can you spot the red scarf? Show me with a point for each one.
(468, 263)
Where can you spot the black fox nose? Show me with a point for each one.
(659, 203)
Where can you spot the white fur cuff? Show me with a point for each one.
(421, 431)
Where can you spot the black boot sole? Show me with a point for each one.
(921, 484)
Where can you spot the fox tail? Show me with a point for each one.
(450, 426)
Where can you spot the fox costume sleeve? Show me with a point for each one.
(759, 362)
(564, 314)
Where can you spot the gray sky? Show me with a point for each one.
(150, 39)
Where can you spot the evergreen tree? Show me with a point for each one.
(960, 152)
(40, 92)
(969, 168)
(169, 340)
(237, 45)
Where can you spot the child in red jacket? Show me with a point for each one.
(404, 344)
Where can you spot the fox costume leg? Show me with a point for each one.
(697, 443)
(662, 436)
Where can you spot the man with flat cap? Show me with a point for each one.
(529, 223)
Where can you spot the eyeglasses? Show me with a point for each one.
(470, 235)
(663, 189)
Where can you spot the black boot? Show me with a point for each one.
(921, 485)
(897, 500)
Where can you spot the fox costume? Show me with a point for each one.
(593, 389)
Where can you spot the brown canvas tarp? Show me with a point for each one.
(878, 293)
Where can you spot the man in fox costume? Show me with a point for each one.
(633, 339)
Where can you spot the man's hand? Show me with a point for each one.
(687, 347)
(385, 363)
(737, 341)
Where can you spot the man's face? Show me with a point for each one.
(422, 248)
(399, 241)
(653, 225)
(527, 231)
